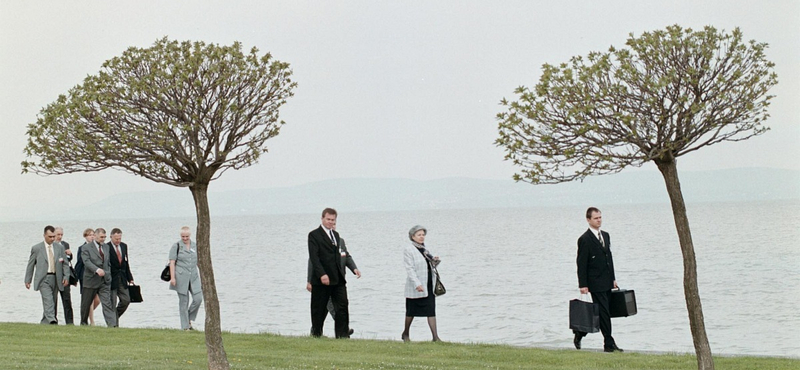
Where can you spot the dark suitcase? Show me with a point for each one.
(135, 293)
(622, 303)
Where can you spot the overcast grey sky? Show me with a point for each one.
(385, 89)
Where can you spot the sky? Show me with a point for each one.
(386, 89)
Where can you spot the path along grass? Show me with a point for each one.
(30, 346)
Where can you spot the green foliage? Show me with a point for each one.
(177, 112)
(668, 93)
(176, 349)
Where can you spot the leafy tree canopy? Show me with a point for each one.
(179, 113)
(667, 93)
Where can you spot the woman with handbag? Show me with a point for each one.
(185, 278)
(420, 266)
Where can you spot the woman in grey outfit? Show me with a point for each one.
(185, 278)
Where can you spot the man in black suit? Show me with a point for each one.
(347, 261)
(121, 274)
(66, 295)
(327, 278)
(596, 275)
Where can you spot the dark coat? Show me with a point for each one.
(325, 258)
(595, 262)
(346, 261)
(119, 272)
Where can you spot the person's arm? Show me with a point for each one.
(29, 268)
(67, 252)
(408, 263)
(349, 262)
(126, 261)
(610, 258)
(582, 262)
(87, 261)
(64, 263)
(313, 257)
(173, 256)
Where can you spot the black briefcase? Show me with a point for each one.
(622, 303)
(135, 292)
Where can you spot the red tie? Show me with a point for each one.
(100, 249)
(119, 255)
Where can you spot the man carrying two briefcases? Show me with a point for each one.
(596, 275)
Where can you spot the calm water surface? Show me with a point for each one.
(509, 273)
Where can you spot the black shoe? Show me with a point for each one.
(577, 340)
(350, 332)
(613, 348)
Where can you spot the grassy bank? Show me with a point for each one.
(29, 346)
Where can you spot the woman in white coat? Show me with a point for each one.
(420, 300)
(185, 278)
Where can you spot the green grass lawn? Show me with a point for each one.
(30, 346)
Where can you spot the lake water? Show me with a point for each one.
(509, 273)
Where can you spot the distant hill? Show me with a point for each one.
(359, 195)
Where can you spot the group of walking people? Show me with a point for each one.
(101, 269)
(104, 275)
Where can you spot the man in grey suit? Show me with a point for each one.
(52, 273)
(96, 279)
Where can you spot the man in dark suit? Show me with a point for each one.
(96, 277)
(596, 275)
(66, 295)
(121, 274)
(348, 262)
(327, 278)
(51, 273)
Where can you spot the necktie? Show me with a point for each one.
(333, 239)
(119, 255)
(51, 263)
(602, 242)
(100, 249)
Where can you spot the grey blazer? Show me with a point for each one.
(347, 261)
(92, 262)
(38, 259)
(185, 268)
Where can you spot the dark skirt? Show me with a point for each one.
(422, 307)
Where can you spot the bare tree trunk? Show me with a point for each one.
(669, 170)
(217, 358)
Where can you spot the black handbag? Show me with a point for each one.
(135, 292)
(584, 316)
(73, 279)
(439, 288)
(165, 274)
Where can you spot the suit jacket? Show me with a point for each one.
(92, 262)
(38, 259)
(325, 258)
(120, 272)
(347, 261)
(595, 262)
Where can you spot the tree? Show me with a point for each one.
(669, 93)
(175, 113)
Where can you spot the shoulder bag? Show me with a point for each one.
(165, 274)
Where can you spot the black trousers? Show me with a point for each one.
(66, 300)
(320, 294)
(602, 298)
